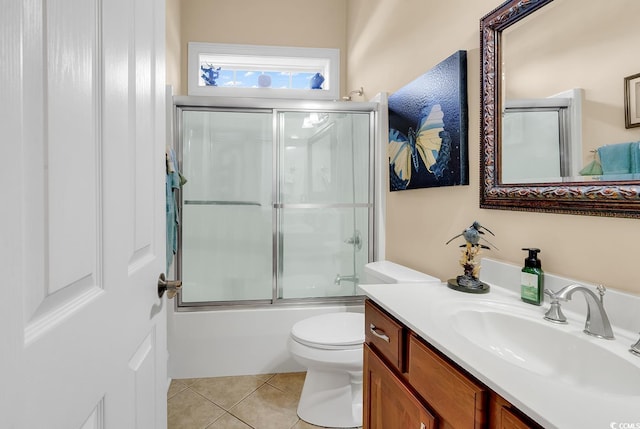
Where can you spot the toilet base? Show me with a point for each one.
(332, 399)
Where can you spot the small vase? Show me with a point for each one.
(316, 81)
(264, 81)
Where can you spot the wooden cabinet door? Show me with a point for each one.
(509, 420)
(504, 416)
(458, 399)
(388, 404)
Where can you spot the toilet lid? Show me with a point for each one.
(331, 331)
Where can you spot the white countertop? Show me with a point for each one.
(548, 400)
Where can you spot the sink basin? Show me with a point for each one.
(562, 353)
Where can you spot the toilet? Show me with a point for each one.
(330, 347)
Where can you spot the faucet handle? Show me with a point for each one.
(554, 314)
(601, 291)
(635, 348)
(555, 296)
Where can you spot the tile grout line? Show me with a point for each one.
(232, 415)
(228, 411)
(279, 389)
(209, 400)
(268, 382)
(185, 387)
(259, 387)
(246, 396)
(222, 408)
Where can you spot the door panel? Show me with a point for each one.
(144, 120)
(142, 369)
(63, 233)
(83, 92)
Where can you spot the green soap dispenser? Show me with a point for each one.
(532, 278)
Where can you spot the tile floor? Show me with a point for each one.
(245, 402)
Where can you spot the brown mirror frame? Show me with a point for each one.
(615, 198)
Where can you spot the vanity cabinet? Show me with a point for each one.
(409, 384)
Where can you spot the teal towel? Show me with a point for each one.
(615, 158)
(174, 182)
(634, 149)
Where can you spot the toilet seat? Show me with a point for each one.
(332, 331)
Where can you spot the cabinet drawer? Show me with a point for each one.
(456, 398)
(383, 333)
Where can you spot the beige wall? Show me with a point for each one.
(386, 44)
(173, 54)
(299, 23)
(391, 42)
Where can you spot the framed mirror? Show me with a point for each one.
(553, 135)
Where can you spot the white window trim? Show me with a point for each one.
(279, 53)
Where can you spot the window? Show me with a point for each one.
(263, 71)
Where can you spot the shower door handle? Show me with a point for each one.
(355, 240)
(170, 286)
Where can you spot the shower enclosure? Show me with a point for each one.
(278, 206)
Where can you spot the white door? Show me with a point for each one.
(82, 330)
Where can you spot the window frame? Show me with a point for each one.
(326, 58)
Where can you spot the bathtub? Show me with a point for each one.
(237, 341)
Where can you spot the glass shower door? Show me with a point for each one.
(325, 203)
(227, 212)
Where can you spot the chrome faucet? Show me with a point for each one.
(340, 278)
(597, 323)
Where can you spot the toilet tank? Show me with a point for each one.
(390, 272)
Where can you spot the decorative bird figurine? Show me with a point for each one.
(473, 235)
(210, 74)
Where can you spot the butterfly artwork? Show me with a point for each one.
(428, 145)
(426, 149)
